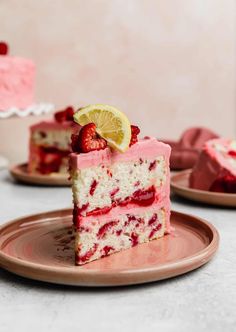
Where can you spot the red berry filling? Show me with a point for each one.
(140, 197)
(42, 134)
(152, 165)
(93, 187)
(50, 159)
(109, 173)
(3, 48)
(232, 153)
(225, 184)
(99, 211)
(153, 219)
(113, 192)
(134, 239)
(154, 231)
(88, 254)
(105, 228)
(106, 250)
(130, 218)
(76, 216)
(77, 213)
(144, 197)
(89, 140)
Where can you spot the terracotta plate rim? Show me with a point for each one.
(19, 173)
(198, 259)
(200, 195)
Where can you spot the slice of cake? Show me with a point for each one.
(120, 199)
(50, 143)
(216, 167)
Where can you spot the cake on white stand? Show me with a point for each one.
(17, 89)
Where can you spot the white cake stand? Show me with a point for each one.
(35, 109)
(3, 162)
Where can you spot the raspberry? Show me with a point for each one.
(64, 115)
(75, 143)
(3, 48)
(134, 135)
(89, 139)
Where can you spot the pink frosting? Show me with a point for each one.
(211, 165)
(129, 209)
(53, 125)
(145, 148)
(17, 80)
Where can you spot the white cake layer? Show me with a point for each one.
(99, 239)
(116, 182)
(223, 150)
(60, 139)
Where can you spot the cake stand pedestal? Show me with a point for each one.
(3, 162)
(32, 110)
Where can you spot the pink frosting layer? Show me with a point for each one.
(211, 165)
(17, 80)
(114, 213)
(53, 125)
(145, 148)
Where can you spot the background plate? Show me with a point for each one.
(41, 247)
(180, 185)
(19, 172)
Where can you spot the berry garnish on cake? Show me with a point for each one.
(89, 140)
(120, 184)
(64, 115)
(215, 169)
(3, 48)
(50, 143)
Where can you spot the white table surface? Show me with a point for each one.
(203, 300)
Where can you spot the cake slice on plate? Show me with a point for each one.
(50, 144)
(121, 194)
(216, 167)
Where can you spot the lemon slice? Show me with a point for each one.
(111, 124)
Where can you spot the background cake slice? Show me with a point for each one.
(50, 144)
(216, 167)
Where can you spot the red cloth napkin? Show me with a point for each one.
(185, 152)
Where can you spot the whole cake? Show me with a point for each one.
(17, 80)
(215, 169)
(50, 143)
(17, 86)
(120, 184)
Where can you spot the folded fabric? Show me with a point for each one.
(185, 152)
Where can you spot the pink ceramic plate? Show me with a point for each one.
(20, 173)
(180, 186)
(41, 247)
